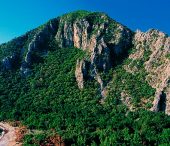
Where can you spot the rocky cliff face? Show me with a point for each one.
(81, 72)
(155, 47)
(105, 41)
(34, 45)
(38, 45)
(97, 34)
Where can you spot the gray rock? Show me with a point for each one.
(38, 45)
(81, 72)
(81, 33)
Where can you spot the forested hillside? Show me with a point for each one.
(85, 77)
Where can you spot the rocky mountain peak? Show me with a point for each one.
(96, 33)
(106, 43)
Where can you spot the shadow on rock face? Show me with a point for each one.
(162, 102)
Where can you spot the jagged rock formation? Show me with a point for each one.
(92, 37)
(28, 50)
(38, 45)
(81, 72)
(155, 47)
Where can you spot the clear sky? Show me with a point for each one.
(19, 16)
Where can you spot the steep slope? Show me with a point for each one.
(90, 79)
(96, 33)
(146, 70)
(151, 51)
(100, 36)
(28, 49)
(157, 65)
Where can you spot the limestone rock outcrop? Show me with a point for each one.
(103, 40)
(157, 44)
(81, 72)
(38, 46)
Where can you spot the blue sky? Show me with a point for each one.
(19, 16)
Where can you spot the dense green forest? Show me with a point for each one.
(50, 99)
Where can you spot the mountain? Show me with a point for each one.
(90, 79)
